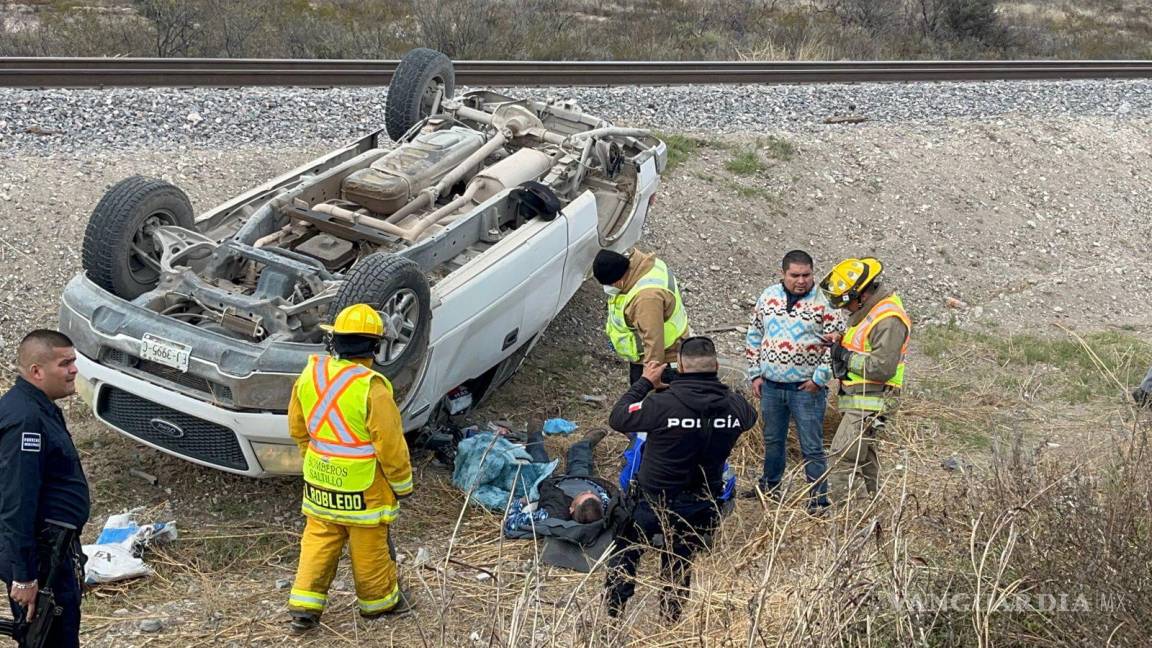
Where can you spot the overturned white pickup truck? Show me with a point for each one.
(468, 237)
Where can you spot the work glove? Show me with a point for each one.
(840, 357)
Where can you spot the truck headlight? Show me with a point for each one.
(279, 458)
(86, 390)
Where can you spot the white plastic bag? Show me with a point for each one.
(117, 553)
(111, 562)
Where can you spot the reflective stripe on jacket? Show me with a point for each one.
(625, 339)
(340, 462)
(857, 340)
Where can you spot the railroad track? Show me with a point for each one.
(219, 73)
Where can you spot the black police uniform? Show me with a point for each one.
(40, 479)
(692, 427)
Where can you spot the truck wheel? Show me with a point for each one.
(396, 288)
(119, 254)
(421, 73)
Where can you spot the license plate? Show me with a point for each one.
(165, 352)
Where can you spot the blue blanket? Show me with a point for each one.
(494, 470)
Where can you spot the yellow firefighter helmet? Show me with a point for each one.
(357, 319)
(849, 278)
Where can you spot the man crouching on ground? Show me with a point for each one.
(692, 427)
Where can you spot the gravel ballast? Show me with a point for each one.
(51, 121)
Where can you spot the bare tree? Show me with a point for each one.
(876, 16)
(235, 24)
(175, 23)
(956, 19)
(461, 29)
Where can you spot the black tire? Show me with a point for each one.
(413, 88)
(382, 280)
(118, 253)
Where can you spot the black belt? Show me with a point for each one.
(672, 497)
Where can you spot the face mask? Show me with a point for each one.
(611, 291)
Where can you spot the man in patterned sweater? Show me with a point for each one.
(789, 368)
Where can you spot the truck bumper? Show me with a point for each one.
(256, 444)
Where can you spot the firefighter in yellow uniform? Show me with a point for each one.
(869, 361)
(356, 467)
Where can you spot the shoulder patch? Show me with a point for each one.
(635, 407)
(30, 441)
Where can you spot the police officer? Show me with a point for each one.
(646, 316)
(41, 483)
(356, 467)
(692, 427)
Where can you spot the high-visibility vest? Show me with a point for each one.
(856, 339)
(626, 340)
(340, 462)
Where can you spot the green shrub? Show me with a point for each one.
(746, 162)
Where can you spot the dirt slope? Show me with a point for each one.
(1030, 224)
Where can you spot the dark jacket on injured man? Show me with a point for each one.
(692, 427)
(552, 518)
(556, 495)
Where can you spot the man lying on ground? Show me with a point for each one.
(576, 495)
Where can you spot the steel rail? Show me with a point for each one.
(124, 72)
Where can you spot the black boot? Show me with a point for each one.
(671, 605)
(303, 621)
(595, 436)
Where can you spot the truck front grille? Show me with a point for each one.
(181, 433)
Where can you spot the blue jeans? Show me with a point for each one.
(779, 402)
(579, 460)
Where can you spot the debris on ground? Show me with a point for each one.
(148, 477)
(559, 426)
(845, 119)
(422, 556)
(954, 464)
(151, 625)
(118, 551)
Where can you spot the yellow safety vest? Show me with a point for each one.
(340, 462)
(856, 339)
(626, 340)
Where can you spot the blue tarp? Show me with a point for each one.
(494, 469)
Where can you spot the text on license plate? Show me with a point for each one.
(165, 352)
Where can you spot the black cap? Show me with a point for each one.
(609, 267)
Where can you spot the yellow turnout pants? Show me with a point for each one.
(373, 568)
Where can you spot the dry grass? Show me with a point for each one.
(1057, 502)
